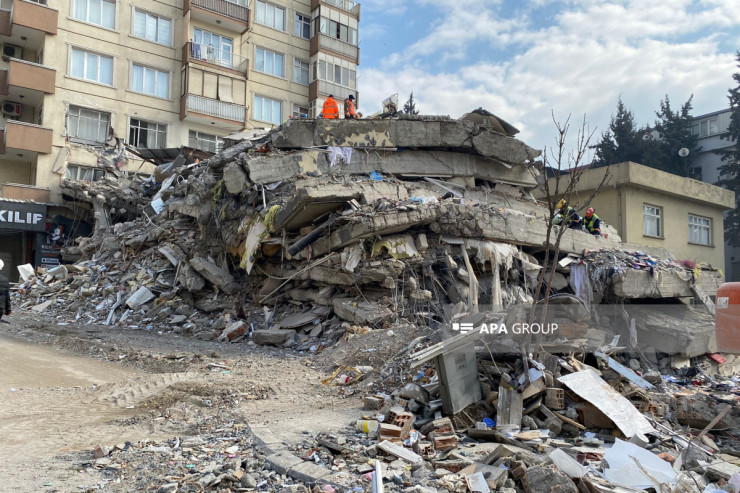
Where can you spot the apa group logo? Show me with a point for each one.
(464, 328)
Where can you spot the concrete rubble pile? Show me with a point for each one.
(324, 231)
(323, 227)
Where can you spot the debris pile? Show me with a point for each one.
(324, 227)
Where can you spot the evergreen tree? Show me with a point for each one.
(622, 141)
(673, 130)
(729, 172)
(410, 107)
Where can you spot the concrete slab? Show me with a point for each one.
(282, 462)
(308, 472)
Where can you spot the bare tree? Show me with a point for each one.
(567, 168)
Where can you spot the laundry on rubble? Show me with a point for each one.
(325, 231)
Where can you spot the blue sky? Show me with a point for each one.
(524, 60)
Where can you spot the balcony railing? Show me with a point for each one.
(209, 54)
(19, 191)
(25, 137)
(32, 76)
(215, 108)
(229, 9)
(322, 42)
(35, 15)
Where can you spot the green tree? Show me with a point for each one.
(672, 133)
(410, 106)
(622, 141)
(729, 172)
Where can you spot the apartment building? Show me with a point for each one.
(713, 132)
(81, 78)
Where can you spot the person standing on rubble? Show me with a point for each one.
(330, 110)
(349, 108)
(568, 216)
(592, 222)
(4, 293)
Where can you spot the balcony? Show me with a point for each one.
(207, 55)
(322, 42)
(224, 13)
(320, 88)
(349, 6)
(21, 141)
(35, 16)
(206, 110)
(27, 81)
(16, 191)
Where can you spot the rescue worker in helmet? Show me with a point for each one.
(568, 216)
(592, 222)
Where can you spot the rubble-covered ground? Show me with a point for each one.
(282, 316)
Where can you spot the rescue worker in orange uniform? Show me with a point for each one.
(349, 108)
(330, 109)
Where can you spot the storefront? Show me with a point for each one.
(22, 230)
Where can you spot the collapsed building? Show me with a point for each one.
(323, 229)
(364, 222)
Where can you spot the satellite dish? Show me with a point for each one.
(683, 152)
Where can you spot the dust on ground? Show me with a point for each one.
(66, 388)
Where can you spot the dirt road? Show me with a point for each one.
(65, 388)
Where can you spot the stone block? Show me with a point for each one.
(361, 312)
(215, 275)
(282, 462)
(272, 337)
(545, 480)
(235, 180)
(308, 472)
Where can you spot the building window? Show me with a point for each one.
(269, 62)
(147, 134)
(243, 3)
(313, 109)
(150, 81)
(152, 27)
(270, 15)
(99, 12)
(204, 142)
(336, 74)
(84, 173)
(87, 126)
(700, 230)
(335, 30)
(91, 66)
(268, 110)
(302, 26)
(213, 48)
(652, 220)
(300, 71)
(299, 111)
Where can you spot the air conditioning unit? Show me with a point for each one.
(12, 110)
(12, 51)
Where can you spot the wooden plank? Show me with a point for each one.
(509, 408)
(400, 452)
(714, 422)
(566, 419)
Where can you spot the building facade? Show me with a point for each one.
(713, 132)
(81, 78)
(655, 208)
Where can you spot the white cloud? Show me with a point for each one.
(595, 52)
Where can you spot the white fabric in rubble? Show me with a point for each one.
(580, 283)
(340, 153)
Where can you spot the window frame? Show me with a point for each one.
(157, 71)
(273, 53)
(707, 226)
(201, 136)
(73, 10)
(304, 23)
(297, 114)
(86, 52)
(78, 139)
(275, 8)
(659, 215)
(135, 9)
(220, 48)
(254, 111)
(297, 70)
(97, 172)
(157, 131)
